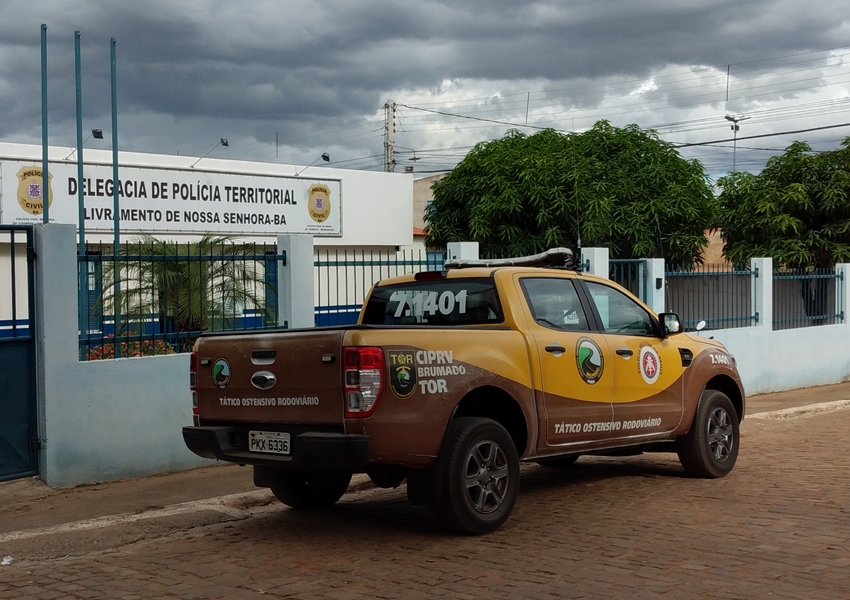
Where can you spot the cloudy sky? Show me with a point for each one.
(287, 80)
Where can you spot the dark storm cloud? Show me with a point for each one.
(254, 68)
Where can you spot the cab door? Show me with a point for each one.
(647, 395)
(574, 375)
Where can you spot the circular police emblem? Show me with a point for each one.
(649, 364)
(589, 360)
(221, 372)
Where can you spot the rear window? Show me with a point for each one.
(435, 302)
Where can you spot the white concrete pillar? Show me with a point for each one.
(762, 291)
(842, 291)
(655, 284)
(598, 258)
(462, 251)
(295, 281)
(56, 337)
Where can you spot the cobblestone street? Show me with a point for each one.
(777, 527)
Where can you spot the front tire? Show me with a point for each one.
(480, 478)
(311, 490)
(710, 448)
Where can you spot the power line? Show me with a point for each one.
(763, 135)
(474, 118)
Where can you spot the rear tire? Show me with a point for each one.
(710, 448)
(480, 478)
(311, 490)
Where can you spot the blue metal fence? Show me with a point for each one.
(343, 277)
(629, 273)
(168, 294)
(720, 295)
(806, 298)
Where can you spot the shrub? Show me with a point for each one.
(129, 349)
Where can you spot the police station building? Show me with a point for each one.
(180, 198)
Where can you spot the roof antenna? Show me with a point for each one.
(577, 258)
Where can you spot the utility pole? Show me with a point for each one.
(735, 120)
(389, 136)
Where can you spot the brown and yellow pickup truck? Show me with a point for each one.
(451, 378)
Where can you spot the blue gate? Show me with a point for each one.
(18, 430)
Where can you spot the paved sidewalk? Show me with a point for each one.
(798, 398)
(28, 503)
(608, 527)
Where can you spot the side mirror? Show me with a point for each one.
(670, 323)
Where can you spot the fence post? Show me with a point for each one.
(842, 289)
(654, 284)
(56, 335)
(598, 259)
(762, 291)
(295, 281)
(462, 251)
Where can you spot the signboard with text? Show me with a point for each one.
(157, 200)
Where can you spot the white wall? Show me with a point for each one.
(112, 419)
(377, 207)
(100, 420)
(773, 361)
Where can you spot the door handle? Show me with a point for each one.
(555, 349)
(624, 352)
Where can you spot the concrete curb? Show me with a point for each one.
(796, 411)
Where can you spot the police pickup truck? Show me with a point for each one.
(451, 378)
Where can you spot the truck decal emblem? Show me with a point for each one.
(649, 364)
(402, 373)
(221, 372)
(589, 360)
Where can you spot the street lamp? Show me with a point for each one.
(95, 133)
(325, 157)
(735, 120)
(220, 142)
(413, 159)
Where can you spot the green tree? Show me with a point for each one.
(192, 287)
(623, 188)
(796, 211)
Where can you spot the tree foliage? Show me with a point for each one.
(797, 210)
(623, 188)
(191, 287)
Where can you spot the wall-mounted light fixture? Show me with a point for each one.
(95, 133)
(325, 157)
(220, 142)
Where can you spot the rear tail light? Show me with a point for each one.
(363, 380)
(193, 381)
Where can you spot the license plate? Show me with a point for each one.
(270, 442)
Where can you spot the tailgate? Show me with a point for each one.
(280, 377)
